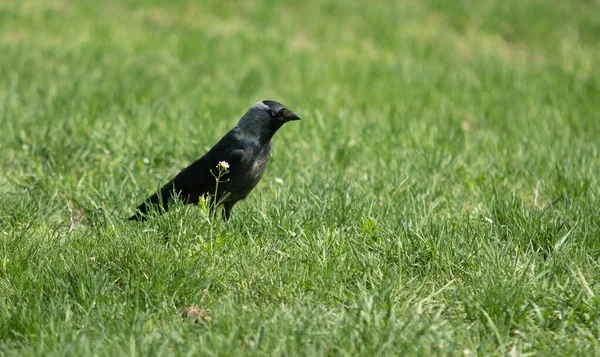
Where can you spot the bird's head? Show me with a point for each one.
(264, 118)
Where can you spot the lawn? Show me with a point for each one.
(439, 197)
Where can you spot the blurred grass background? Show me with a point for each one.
(439, 195)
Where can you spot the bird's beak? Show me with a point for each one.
(289, 115)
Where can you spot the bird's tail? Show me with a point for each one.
(158, 199)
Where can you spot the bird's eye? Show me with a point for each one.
(273, 113)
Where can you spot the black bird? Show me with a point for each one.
(246, 148)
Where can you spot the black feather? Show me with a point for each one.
(246, 148)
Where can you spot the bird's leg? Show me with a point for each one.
(227, 211)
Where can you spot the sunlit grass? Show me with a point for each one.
(439, 197)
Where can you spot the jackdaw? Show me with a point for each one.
(246, 148)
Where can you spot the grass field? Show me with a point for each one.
(439, 197)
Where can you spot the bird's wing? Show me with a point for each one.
(199, 177)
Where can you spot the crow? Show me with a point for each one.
(245, 149)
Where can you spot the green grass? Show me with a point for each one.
(440, 197)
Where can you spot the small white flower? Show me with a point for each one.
(146, 160)
(223, 165)
(279, 180)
